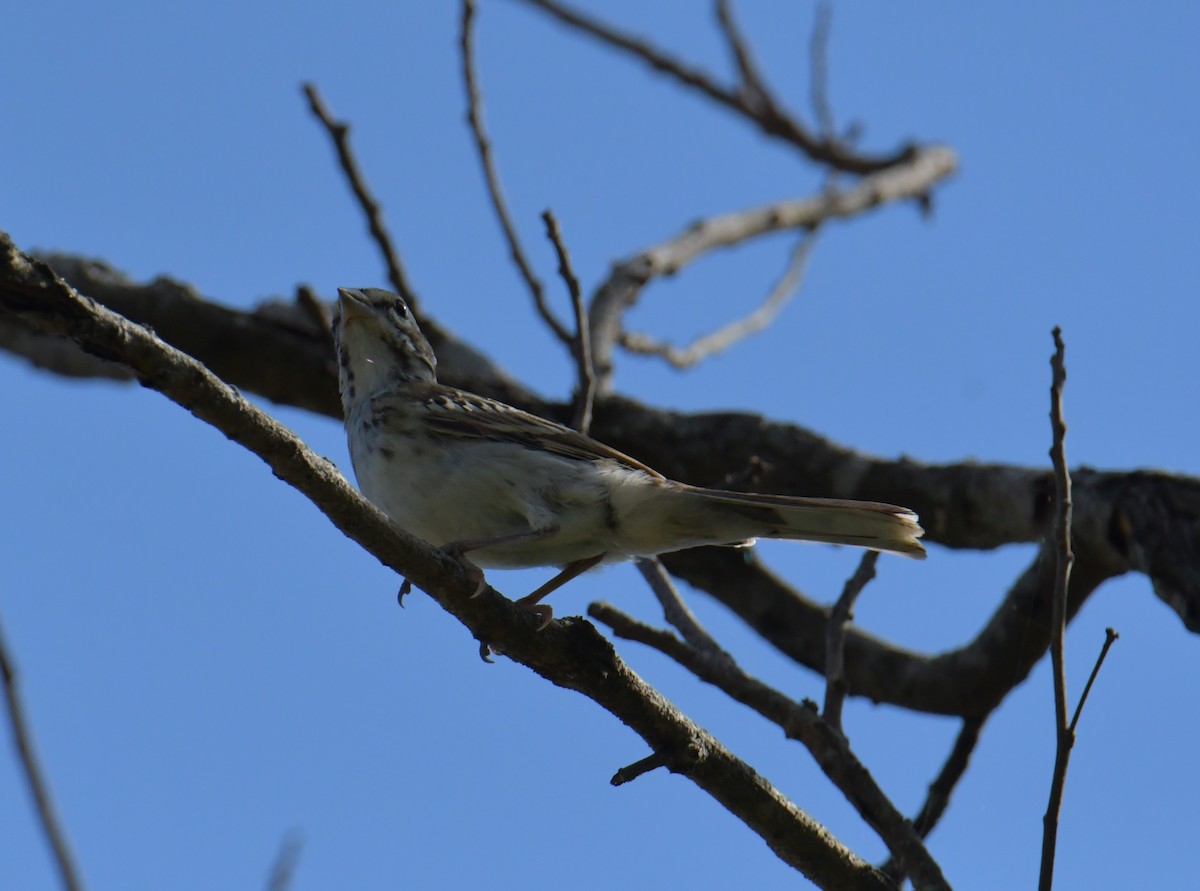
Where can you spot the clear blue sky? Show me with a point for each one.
(209, 664)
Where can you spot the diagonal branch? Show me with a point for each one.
(581, 342)
(799, 722)
(723, 338)
(339, 132)
(938, 798)
(38, 787)
(492, 177)
(570, 653)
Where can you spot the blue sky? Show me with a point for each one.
(210, 665)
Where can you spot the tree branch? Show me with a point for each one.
(1064, 736)
(339, 132)
(835, 639)
(621, 290)
(755, 105)
(484, 147)
(723, 338)
(38, 787)
(799, 722)
(570, 653)
(585, 388)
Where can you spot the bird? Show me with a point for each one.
(509, 489)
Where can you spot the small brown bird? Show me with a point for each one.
(515, 490)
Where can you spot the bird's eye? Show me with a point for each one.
(400, 310)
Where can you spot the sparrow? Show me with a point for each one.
(475, 476)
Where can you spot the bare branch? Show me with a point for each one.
(484, 147)
(1110, 638)
(585, 388)
(643, 766)
(835, 639)
(756, 106)
(570, 653)
(339, 132)
(1064, 558)
(624, 285)
(938, 798)
(675, 611)
(799, 722)
(284, 867)
(51, 826)
(723, 338)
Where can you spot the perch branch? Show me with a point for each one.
(570, 653)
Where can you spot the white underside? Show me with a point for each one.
(482, 491)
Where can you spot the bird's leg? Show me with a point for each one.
(568, 572)
(458, 549)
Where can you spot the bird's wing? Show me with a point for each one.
(458, 413)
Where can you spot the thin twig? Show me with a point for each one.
(675, 611)
(818, 53)
(339, 132)
(631, 772)
(484, 147)
(835, 639)
(938, 797)
(585, 391)
(1110, 638)
(51, 826)
(1064, 737)
(723, 338)
(284, 867)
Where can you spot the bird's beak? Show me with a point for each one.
(354, 304)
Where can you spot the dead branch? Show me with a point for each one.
(624, 284)
(750, 99)
(339, 132)
(723, 338)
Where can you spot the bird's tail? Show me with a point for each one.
(738, 516)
